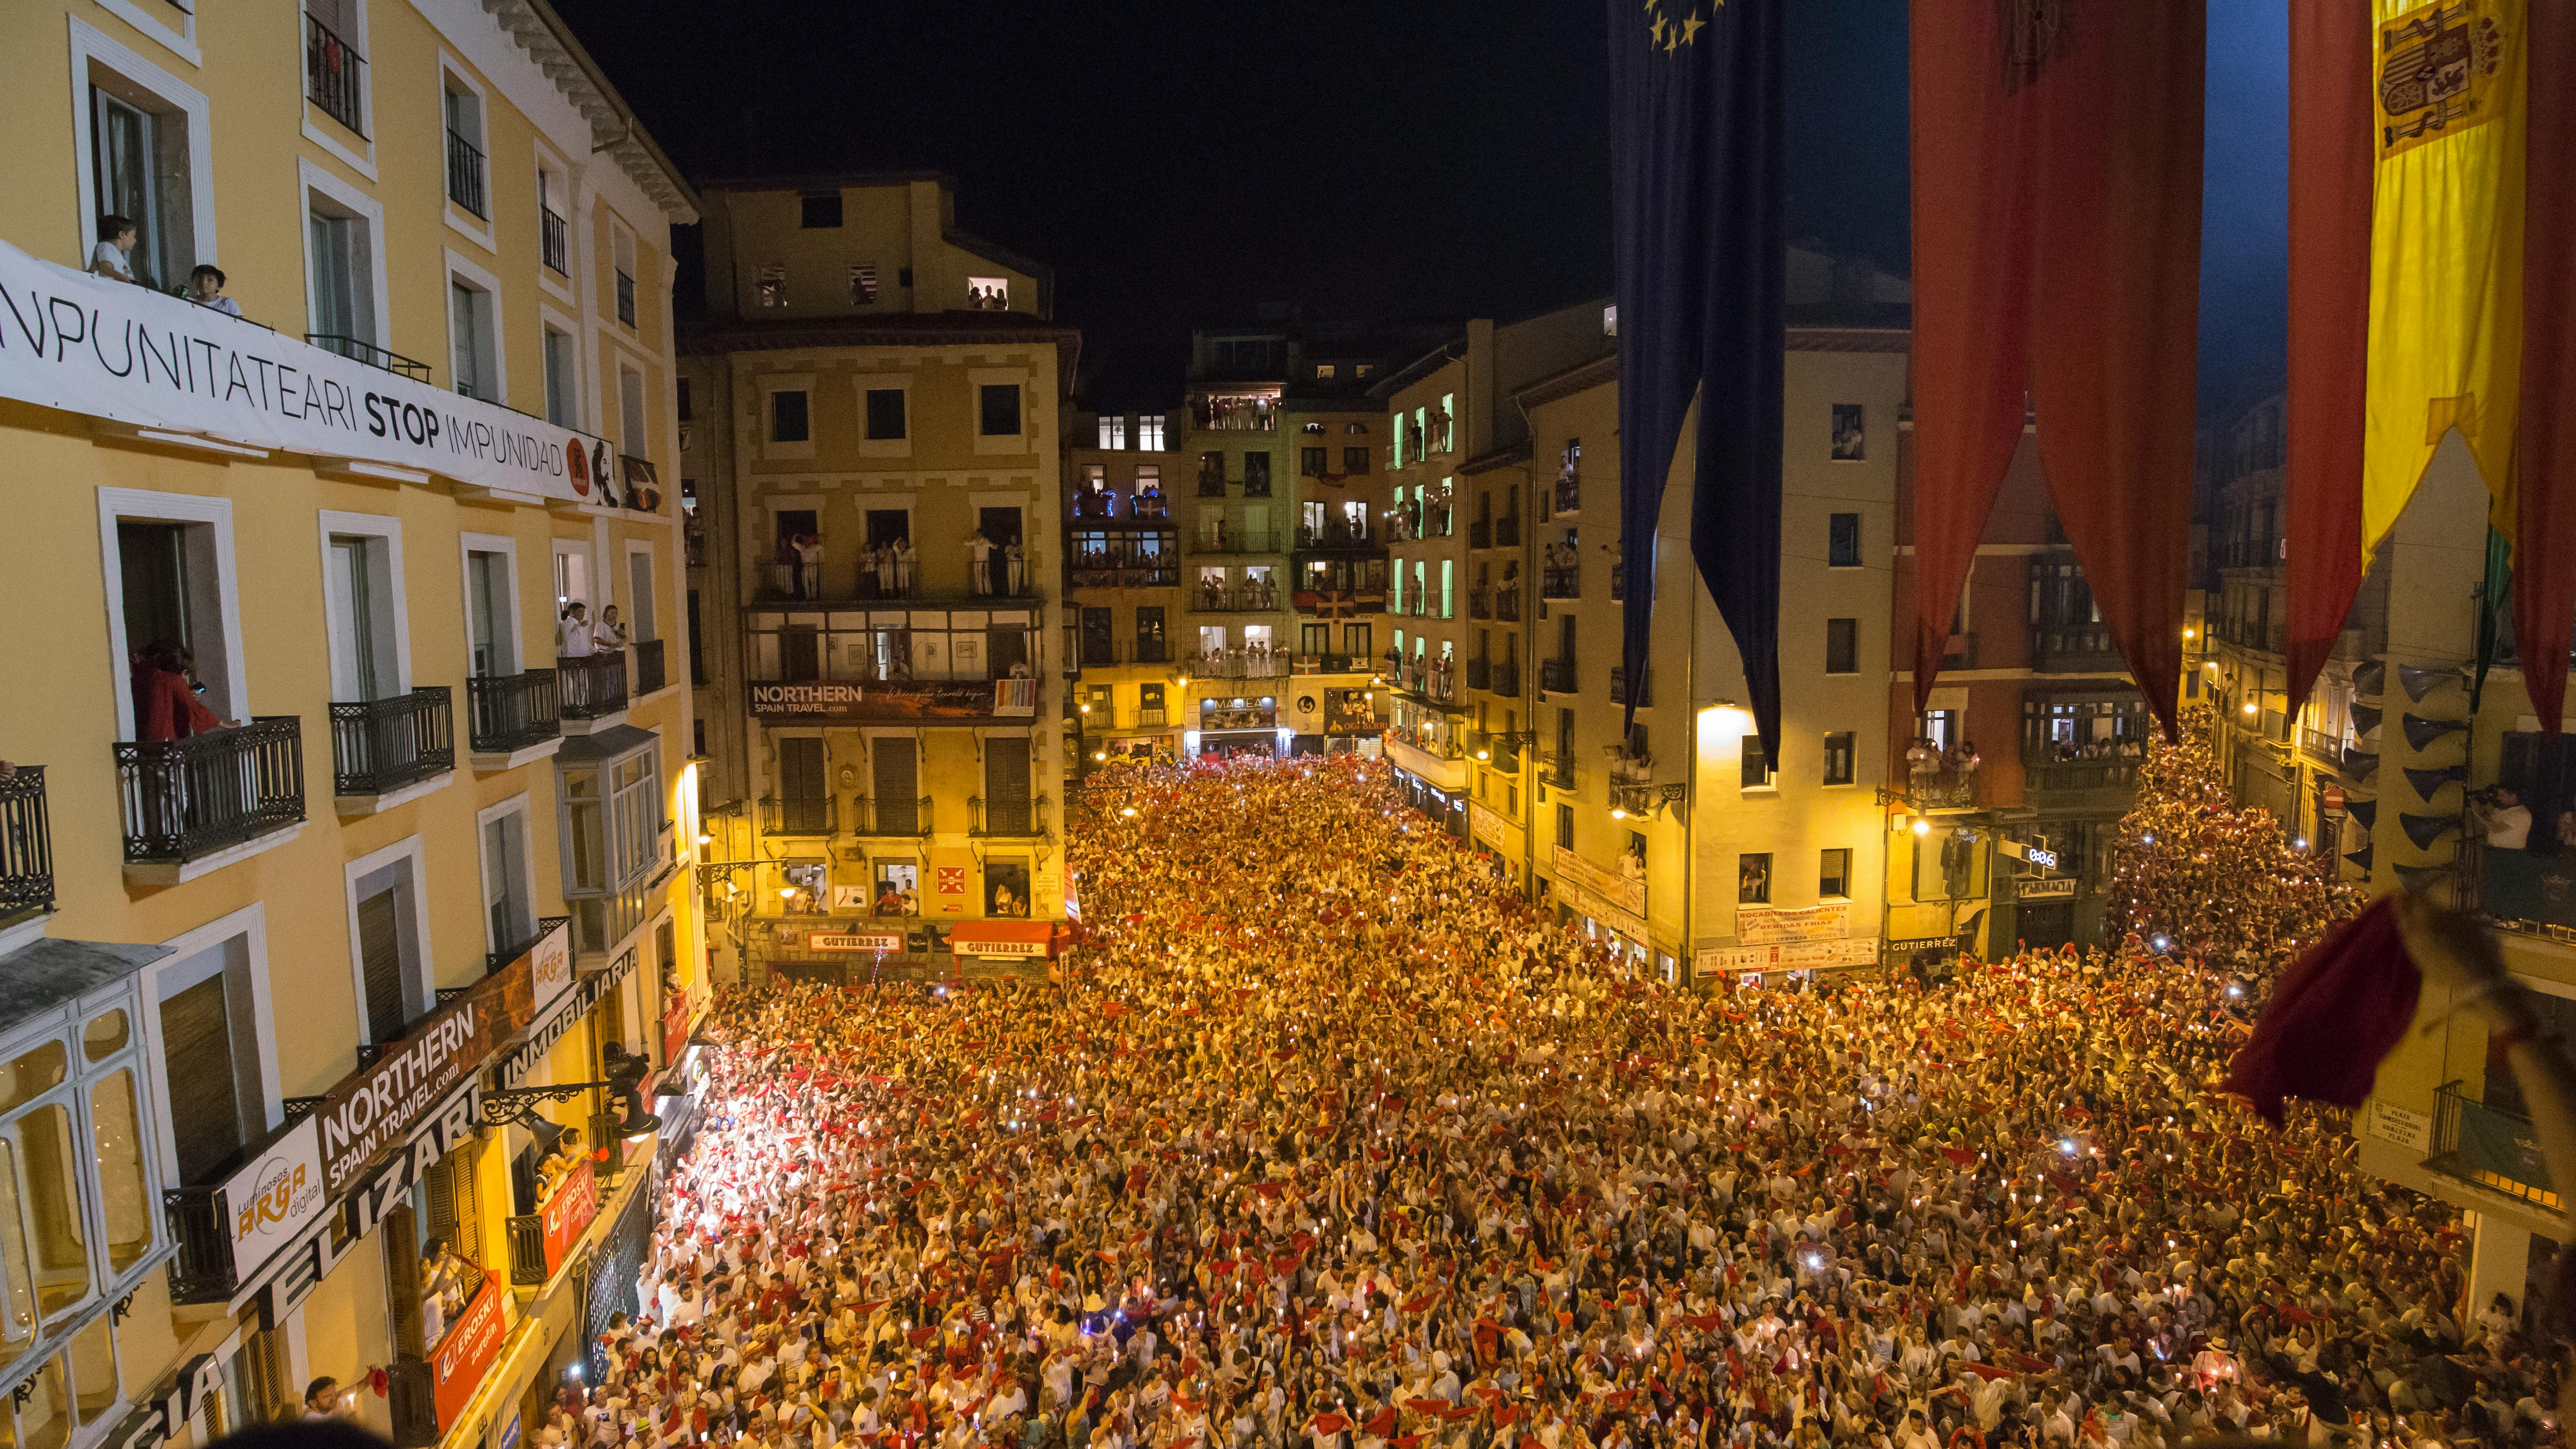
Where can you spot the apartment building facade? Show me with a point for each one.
(874, 451)
(311, 794)
(1123, 599)
(1675, 839)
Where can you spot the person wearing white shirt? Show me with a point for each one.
(113, 257)
(573, 635)
(206, 289)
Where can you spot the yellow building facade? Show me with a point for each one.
(336, 876)
(873, 456)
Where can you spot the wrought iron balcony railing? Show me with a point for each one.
(187, 799)
(507, 712)
(381, 745)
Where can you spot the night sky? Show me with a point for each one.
(1182, 165)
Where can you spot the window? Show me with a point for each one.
(773, 284)
(697, 656)
(1310, 462)
(465, 148)
(362, 607)
(632, 438)
(1842, 541)
(787, 417)
(1448, 590)
(999, 409)
(885, 413)
(1113, 432)
(470, 330)
(988, 294)
(1355, 640)
(509, 888)
(1753, 879)
(340, 256)
(1149, 432)
(818, 209)
(1006, 785)
(389, 939)
(1838, 758)
(1842, 646)
(491, 609)
(1833, 874)
(1849, 440)
(1564, 826)
(1355, 460)
(563, 393)
(610, 827)
(1256, 475)
(642, 619)
(804, 789)
(1323, 369)
(863, 285)
(895, 774)
(621, 244)
(554, 230)
(1757, 765)
(139, 155)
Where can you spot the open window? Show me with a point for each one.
(988, 294)
(170, 583)
(563, 373)
(509, 879)
(632, 438)
(143, 142)
(344, 282)
(362, 607)
(491, 605)
(468, 178)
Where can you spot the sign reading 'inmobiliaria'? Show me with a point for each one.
(135, 357)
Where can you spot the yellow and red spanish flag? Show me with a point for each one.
(2424, 167)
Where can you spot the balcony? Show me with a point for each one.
(1618, 582)
(649, 675)
(1339, 603)
(625, 299)
(1329, 664)
(1007, 819)
(26, 847)
(2489, 1148)
(554, 241)
(1437, 759)
(1959, 651)
(1556, 770)
(334, 77)
(1480, 674)
(500, 960)
(1338, 534)
(1619, 687)
(1561, 583)
(2323, 747)
(358, 349)
(1507, 603)
(1556, 676)
(1480, 534)
(465, 176)
(186, 802)
(380, 746)
(1239, 664)
(1507, 531)
(1243, 600)
(1243, 541)
(1124, 576)
(1480, 603)
(2074, 649)
(1429, 683)
(801, 815)
(1566, 496)
(592, 687)
(1211, 483)
(1507, 679)
(2104, 780)
(891, 819)
(507, 713)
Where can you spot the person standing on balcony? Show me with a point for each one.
(113, 257)
(166, 706)
(573, 638)
(1016, 563)
(979, 563)
(809, 565)
(901, 552)
(608, 636)
(206, 289)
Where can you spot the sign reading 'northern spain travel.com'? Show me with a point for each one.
(160, 364)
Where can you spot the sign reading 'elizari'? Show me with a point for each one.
(133, 356)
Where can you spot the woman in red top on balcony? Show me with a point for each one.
(165, 700)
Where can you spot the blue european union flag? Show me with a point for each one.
(1695, 96)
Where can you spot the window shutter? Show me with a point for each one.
(1006, 785)
(196, 1033)
(898, 791)
(380, 963)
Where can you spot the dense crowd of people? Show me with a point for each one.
(1328, 1141)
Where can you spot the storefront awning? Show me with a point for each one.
(1004, 940)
